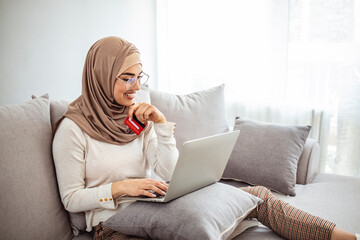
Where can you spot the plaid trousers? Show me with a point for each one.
(284, 219)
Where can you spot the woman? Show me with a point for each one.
(98, 158)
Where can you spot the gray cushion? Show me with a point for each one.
(57, 110)
(276, 148)
(143, 95)
(308, 164)
(196, 115)
(258, 232)
(212, 212)
(30, 206)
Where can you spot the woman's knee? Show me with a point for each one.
(258, 191)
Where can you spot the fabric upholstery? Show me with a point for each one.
(143, 95)
(198, 114)
(257, 233)
(57, 110)
(29, 195)
(276, 148)
(308, 164)
(212, 212)
(332, 197)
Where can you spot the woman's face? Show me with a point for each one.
(121, 94)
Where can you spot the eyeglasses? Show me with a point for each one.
(130, 82)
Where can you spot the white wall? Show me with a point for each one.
(44, 43)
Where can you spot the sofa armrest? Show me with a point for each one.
(308, 164)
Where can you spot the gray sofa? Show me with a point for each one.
(30, 206)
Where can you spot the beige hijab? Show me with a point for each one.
(96, 111)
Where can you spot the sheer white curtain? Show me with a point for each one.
(294, 62)
(323, 68)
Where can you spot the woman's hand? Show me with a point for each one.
(146, 112)
(138, 187)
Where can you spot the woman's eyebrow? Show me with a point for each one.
(129, 74)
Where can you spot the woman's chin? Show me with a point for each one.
(129, 103)
(126, 102)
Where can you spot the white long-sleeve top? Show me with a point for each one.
(86, 167)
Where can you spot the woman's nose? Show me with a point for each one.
(137, 86)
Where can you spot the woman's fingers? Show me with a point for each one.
(140, 112)
(159, 188)
(156, 190)
(138, 109)
(146, 193)
(163, 186)
(146, 112)
(138, 187)
(132, 109)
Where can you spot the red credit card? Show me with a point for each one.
(135, 125)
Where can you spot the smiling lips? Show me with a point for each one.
(130, 95)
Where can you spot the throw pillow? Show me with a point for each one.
(198, 114)
(267, 154)
(212, 212)
(143, 95)
(57, 110)
(30, 204)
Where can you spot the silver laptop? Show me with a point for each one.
(201, 163)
